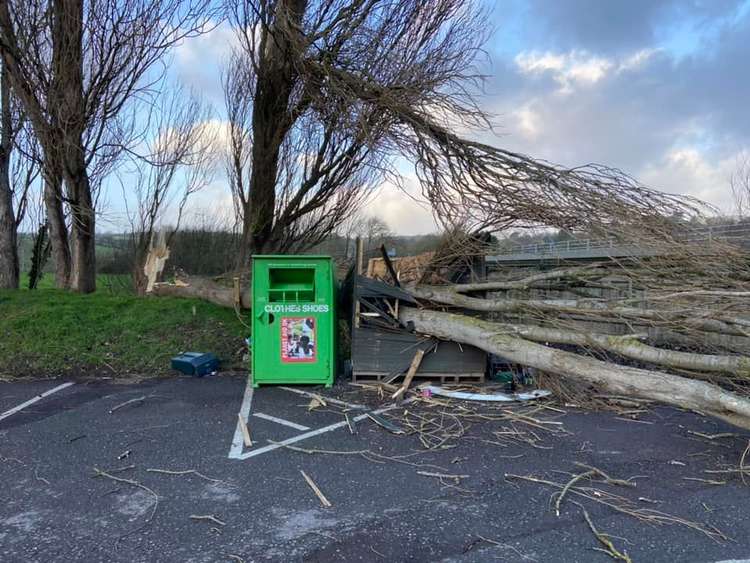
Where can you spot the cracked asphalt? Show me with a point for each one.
(53, 507)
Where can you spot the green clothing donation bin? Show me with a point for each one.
(294, 320)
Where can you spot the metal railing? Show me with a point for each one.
(727, 233)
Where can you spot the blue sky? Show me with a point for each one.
(658, 88)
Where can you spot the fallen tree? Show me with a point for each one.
(193, 287)
(622, 380)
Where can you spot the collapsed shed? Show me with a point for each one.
(382, 347)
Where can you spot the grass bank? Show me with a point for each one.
(111, 333)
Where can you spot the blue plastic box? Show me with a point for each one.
(195, 363)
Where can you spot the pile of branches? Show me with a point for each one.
(671, 324)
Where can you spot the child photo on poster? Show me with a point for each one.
(297, 339)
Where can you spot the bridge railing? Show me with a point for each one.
(727, 233)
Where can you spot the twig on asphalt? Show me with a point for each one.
(208, 518)
(506, 546)
(126, 403)
(38, 478)
(609, 547)
(186, 472)
(323, 500)
(132, 483)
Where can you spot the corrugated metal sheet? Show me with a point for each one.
(378, 351)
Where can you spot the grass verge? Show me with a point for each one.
(48, 332)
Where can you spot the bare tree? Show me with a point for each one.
(76, 65)
(19, 170)
(357, 84)
(740, 186)
(9, 268)
(180, 162)
(310, 160)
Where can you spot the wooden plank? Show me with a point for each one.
(323, 500)
(389, 265)
(245, 431)
(410, 374)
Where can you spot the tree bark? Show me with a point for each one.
(9, 268)
(83, 231)
(270, 124)
(631, 347)
(208, 290)
(58, 231)
(447, 296)
(670, 389)
(68, 120)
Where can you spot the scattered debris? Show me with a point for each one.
(409, 374)
(316, 402)
(707, 481)
(38, 478)
(588, 474)
(712, 436)
(99, 473)
(506, 546)
(385, 423)
(494, 397)
(185, 472)
(323, 500)
(609, 547)
(625, 506)
(456, 478)
(138, 400)
(245, 431)
(350, 423)
(208, 518)
(121, 469)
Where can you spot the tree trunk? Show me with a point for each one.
(631, 347)
(65, 137)
(9, 270)
(58, 231)
(270, 124)
(590, 307)
(208, 290)
(671, 389)
(83, 231)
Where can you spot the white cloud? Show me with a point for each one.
(576, 69)
(197, 61)
(570, 70)
(403, 210)
(528, 121)
(688, 170)
(636, 60)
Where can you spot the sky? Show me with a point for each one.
(657, 88)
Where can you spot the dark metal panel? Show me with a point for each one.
(391, 352)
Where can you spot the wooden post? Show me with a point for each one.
(359, 255)
(409, 374)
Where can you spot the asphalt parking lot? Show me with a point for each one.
(178, 484)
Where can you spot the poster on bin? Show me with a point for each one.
(297, 339)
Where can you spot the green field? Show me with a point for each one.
(112, 332)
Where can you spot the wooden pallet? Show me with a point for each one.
(437, 377)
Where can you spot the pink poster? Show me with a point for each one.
(297, 339)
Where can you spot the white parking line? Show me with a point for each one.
(22, 406)
(288, 423)
(328, 399)
(311, 434)
(235, 451)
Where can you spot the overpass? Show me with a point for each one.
(584, 250)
